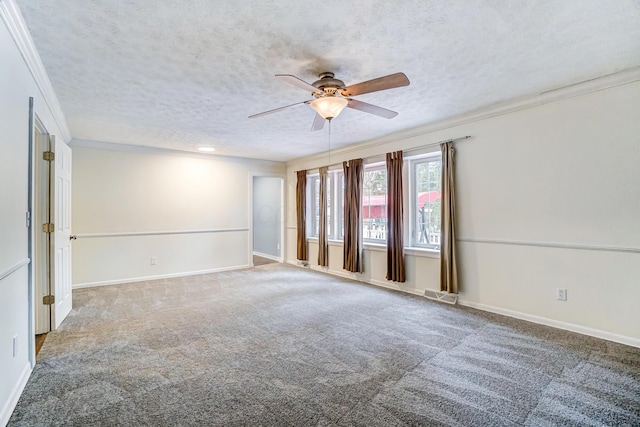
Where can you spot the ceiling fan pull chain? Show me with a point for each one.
(329, 164)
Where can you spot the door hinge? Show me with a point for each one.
(28, 219)
(47, 228)
(49, 156)
(48, 299)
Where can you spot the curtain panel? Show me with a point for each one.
(323, 244)
(353, 179)
(301, 214)
(448, 267)
(395, 210)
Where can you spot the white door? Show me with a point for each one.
(61, 219)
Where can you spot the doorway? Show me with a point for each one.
(267, 224)
(49, 230)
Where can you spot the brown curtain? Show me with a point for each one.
(395, 231)
(301, 211)
(448, 268)
(353, 177)
(323, 246)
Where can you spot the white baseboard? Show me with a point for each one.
(354, 276)
(10, 404)
(298, 263)
(272, 257)
(160, 276)
(609, 336)
(634, 342)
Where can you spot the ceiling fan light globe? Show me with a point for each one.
(329, 106)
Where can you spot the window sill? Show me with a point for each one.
(330, 242)
(417, 252)
(377, 247)
(422, 252)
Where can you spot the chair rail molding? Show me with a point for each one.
(554, 245)
(159, 233)
(14, 268)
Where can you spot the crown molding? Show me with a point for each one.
(14, 22)
(113, 146)
(619, 78)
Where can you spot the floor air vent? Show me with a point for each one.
(441, 296)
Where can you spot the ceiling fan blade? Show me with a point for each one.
(318, 122)
(371, 109)
(293, 80)
(276, 110)
(381, 83)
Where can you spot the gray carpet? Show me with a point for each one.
(258, 260)
(279, 345)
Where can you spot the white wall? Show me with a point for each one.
(16, 86)
(190, 212)
(266, 215)
(547, 198)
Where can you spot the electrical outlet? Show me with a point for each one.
(278, 246)
(561, 294)
(154, 260)
(15, 346)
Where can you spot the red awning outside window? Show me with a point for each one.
(375, 206)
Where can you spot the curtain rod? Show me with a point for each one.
(462, 138)
(409, 150)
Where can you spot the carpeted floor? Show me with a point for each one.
(280, 345)
(258, 260)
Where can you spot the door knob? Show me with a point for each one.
(73, 237)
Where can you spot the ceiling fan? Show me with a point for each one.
(331, 96)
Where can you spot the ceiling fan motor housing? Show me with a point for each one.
(328, 82)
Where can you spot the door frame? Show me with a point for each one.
(40, 213)
(30, 236)
(283, 180)
(36, 126)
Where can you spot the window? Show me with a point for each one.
(374, 204)
(313, 184)
(335, 192)
(424, 202)
(338, 209)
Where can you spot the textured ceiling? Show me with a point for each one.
(176, 74)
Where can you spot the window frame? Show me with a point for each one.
(371, 167)
(312, 206)
(335, 223)
(337, 194)
(414, 162)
